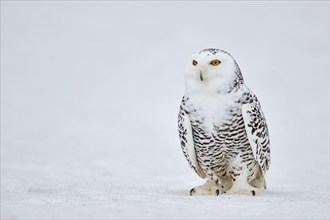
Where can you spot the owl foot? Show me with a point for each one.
(209, 188)
(197, 191)
(193, 192)
(246, 191)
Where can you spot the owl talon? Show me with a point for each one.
(192, 191)
(217, 192)
(253, 193)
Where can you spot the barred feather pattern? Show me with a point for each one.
(258, 130)
(227, 149)
(183, 135)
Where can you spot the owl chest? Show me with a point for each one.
(210, 111)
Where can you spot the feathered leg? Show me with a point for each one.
(241, 185)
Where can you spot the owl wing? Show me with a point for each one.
(187, 141)
(257, 131)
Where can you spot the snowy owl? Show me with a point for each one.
(222, 129)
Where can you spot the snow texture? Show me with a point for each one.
(90, 93)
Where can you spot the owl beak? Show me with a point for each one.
(201, 75)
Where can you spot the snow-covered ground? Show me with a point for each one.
(90, 94)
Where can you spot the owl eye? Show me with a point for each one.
(215, 62)
(194, 62)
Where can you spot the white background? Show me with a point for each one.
(90, 93)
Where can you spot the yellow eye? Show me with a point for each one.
(194, 62)
(215, 62)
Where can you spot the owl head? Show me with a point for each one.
(212, 70)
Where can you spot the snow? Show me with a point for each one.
(90, 94)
